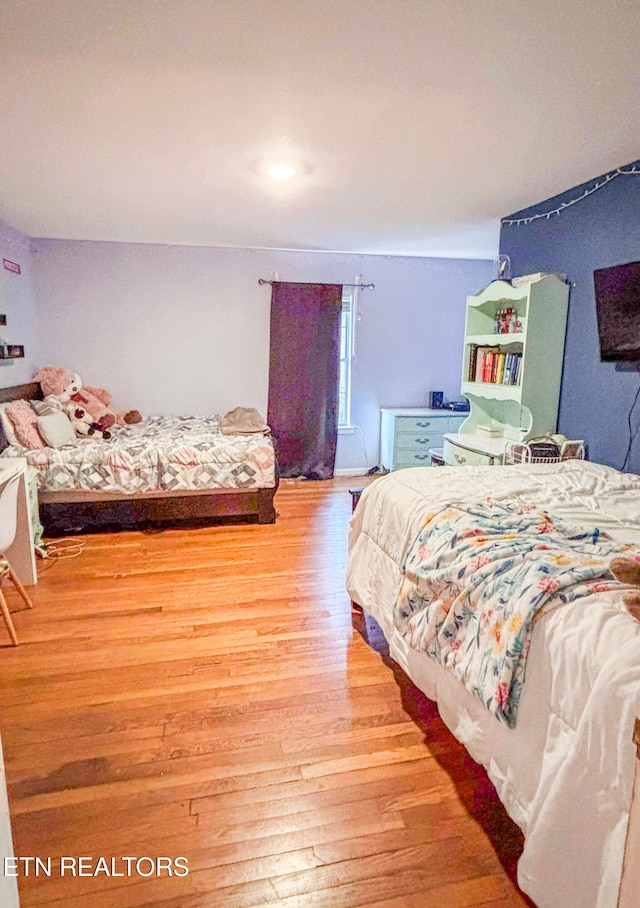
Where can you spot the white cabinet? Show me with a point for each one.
(512, 367)
(408, 434)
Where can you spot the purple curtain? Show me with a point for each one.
(303, 377)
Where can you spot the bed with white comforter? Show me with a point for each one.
(564, 770)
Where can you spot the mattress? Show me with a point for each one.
(167, 453)
(564, 773)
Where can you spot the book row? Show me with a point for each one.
(494, 366)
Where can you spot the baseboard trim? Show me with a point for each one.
(351, 471)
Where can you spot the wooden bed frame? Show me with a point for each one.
(80, 511)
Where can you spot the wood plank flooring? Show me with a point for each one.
(208, 694)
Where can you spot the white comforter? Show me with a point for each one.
(565, 772)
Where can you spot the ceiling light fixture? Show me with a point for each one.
(281, 171)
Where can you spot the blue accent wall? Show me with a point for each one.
(602, 229)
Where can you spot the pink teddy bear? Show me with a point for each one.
(627, 571)
(67, 386)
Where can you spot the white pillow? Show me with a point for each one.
(7, 425)
(56, 429)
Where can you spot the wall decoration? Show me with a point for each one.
(11, 351)
(3, 319)
(14, 267)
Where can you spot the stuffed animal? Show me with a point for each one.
(65, 385)
(59, 383)
(627, 571)
(82, 423)
(97, 400)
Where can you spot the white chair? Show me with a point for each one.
(8, 526)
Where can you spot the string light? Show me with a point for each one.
(598, 185)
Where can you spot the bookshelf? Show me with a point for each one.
(512, 362)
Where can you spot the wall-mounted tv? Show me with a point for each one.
(618, 311)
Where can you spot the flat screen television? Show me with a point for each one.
(618, 312)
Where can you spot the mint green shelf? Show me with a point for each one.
(491, 390)
(495, 340)
(530, 408)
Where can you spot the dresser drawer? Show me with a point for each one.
(457, 456)
(417, 441)
(420, 424)
(454, 423)
(412, 459)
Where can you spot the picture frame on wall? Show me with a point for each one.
(11, 351)
(3, 319)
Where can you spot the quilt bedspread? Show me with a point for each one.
(169, 453)
(476, 578)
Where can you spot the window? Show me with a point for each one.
(344, 385)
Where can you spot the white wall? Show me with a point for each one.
(168, 329)
(179, 329)
(16, 302)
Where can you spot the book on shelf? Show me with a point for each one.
(473, 362)
(491, 359)
(515, 371)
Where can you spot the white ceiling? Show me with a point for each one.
(418, 123)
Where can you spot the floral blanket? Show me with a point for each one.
(477, 576)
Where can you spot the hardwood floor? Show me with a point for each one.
(207, 694)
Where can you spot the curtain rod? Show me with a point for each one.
(262, 280)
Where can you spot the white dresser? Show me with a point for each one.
(408, 433)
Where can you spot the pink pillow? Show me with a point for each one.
(23, 419)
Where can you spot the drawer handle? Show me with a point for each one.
(422, 441)
(423, 425)
(421, 456)
(460, 458)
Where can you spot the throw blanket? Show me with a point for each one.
(243, 421)
(475, 579)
